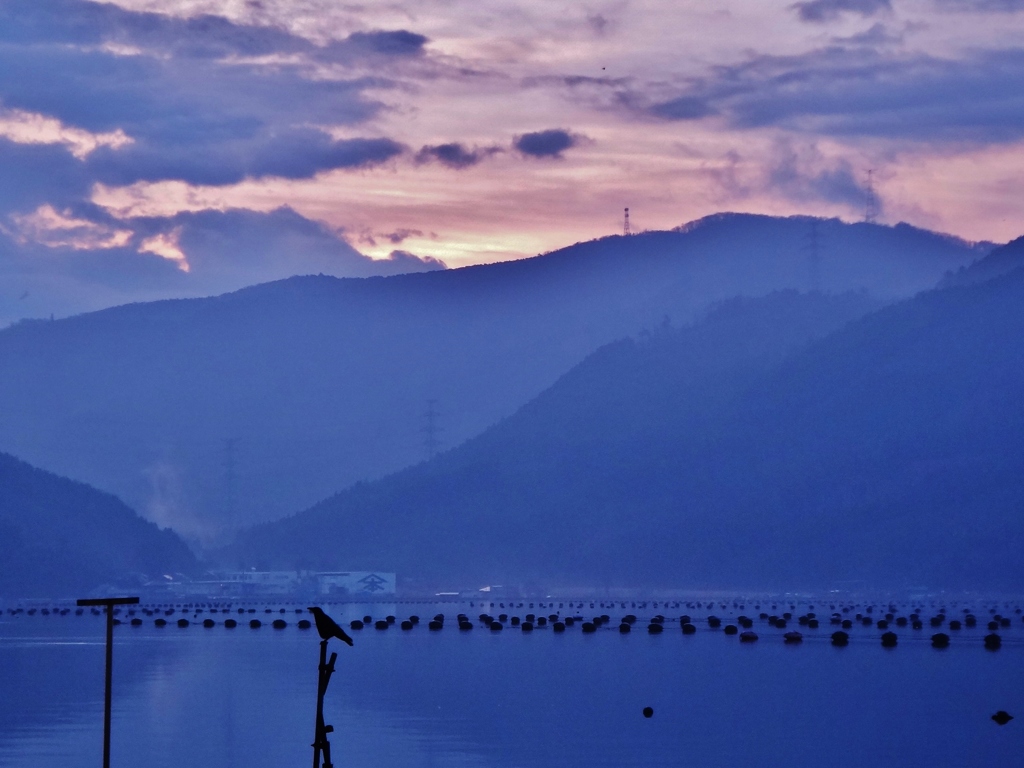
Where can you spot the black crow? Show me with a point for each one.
(328, 627)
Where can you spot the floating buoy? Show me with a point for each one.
(624, 628)
(355, 624)
(840, 639)
(208, 623)
(889, 640)
(940, 640)
(496, 626)
(648, 712)
(231, 624)
(993, 641)
(653, 628)
(406, 624)
(714, 622)
(588, 627)
(731, 629)
(748, 637)
(255, 624)
(689, 629)
(558, 626)
(304, 624)
(278, 624)
(1002, 718)
(136, 622)
(383, 624)
(436, 625)
(792, 637)
(182, 623)
(527, 626)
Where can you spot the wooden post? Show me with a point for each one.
(109, 602)
(320, 743)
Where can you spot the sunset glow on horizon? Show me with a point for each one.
(471, 133)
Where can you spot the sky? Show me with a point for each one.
(161, 148)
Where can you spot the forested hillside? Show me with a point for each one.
(886, 452)
(59, 538)
(210, 414)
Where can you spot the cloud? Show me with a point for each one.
(400, 235)
(194, 101)
(24, 127)
(981, 6)
(67, 263)
(454, 155)
(845, 91)
(63, 229)
(398, 262)
(397, 43)
(199, 36)
(804, 175)
(296, 153)
(829, 10)
(545, 144)
(683, 108)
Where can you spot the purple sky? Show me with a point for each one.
(156, 148)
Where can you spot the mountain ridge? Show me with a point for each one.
(307, 385)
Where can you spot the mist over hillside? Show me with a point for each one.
(886, 453)
(62, 538)
(210, 414)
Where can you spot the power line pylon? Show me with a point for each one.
(229, 482)
(813, 248)
(626, 232)
(871, 200)
(431, 430)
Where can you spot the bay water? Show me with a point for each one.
(227, 698)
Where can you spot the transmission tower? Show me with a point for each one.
(871, 200)
(625, 225)
(229, 482)
(431, 430)
(813, 248)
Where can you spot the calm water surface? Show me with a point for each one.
(218, 697)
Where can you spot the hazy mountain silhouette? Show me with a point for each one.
(1000, 261)
(886, 453)
(320, 382)
(63, 538)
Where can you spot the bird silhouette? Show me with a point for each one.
(328, 627)
(1002, 718)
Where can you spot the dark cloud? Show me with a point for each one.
(398, 262)
(806, 176)
(388, 42)
(191, 117)
(876, 35)
(683, 108)
(454, 155)
(828, 10)
(545, 144)
(863, 91)
(292, 154)
(598, 23)
(400, 235)
(206, 36)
